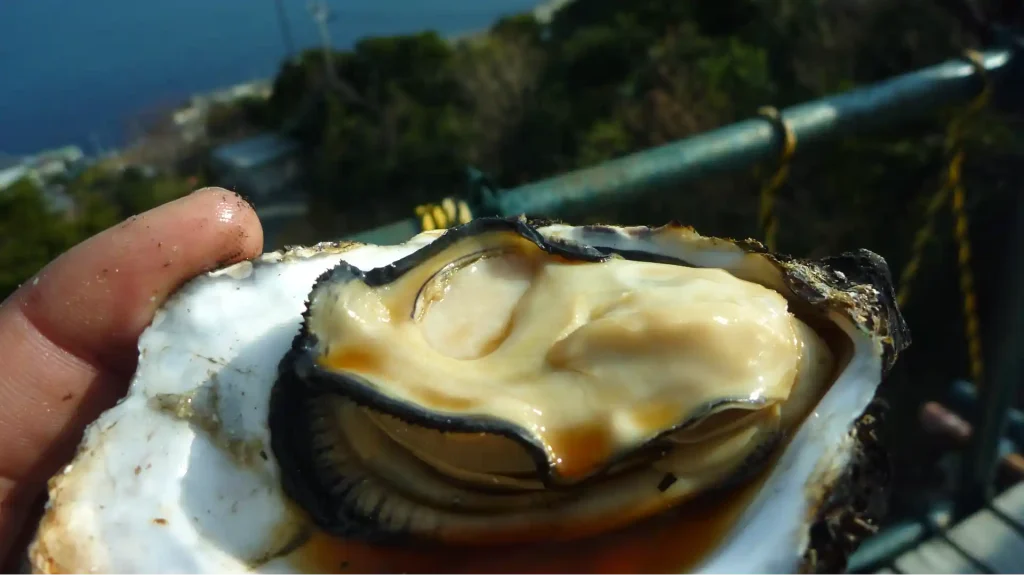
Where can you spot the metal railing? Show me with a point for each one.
(739, 146)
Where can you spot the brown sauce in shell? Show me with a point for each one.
(673, 542)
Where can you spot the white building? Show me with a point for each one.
(190, 120)
(268, 170)
(46, 170)
(41, 168)
(262, 167)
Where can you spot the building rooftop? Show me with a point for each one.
(254, 151)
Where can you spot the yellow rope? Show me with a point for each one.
(953, 185)
(972, 325)
(921, 240)
(444, 215)
(769, 221)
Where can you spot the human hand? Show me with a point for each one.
(69, 336)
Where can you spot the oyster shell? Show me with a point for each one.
(181, 476)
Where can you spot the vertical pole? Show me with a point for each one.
(286, 32)
(997, 392)
(321, 13)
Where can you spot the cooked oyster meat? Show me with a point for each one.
(496, 385)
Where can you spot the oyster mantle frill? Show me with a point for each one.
(502, 381)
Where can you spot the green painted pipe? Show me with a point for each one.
(391, 234)
(741, 145)
(738, 146)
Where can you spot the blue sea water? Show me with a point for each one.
(78, 71)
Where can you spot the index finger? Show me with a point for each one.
(95, 300)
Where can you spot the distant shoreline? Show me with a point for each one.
(87, 89)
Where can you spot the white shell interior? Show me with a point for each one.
(150, 492)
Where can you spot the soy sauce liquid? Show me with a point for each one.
(673, 542)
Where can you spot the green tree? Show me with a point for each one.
(30, 234)
(106, 196)
(395, 119)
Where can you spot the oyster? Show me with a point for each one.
(501, 382)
